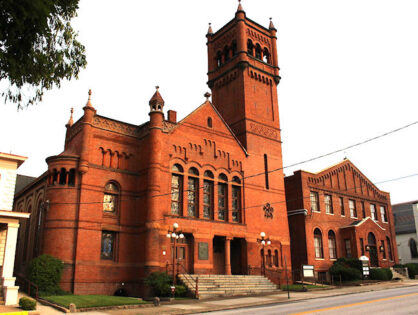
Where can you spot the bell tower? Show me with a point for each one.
(243, 75)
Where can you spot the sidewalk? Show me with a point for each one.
(201, 306)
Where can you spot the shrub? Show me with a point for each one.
(381, 274)
(347, 273)
(181, 290)
(412, 270)
(398, 266)
(27, 304)
(160, 283)
(351, 262)
(45, 271)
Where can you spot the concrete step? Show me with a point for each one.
(228, 285)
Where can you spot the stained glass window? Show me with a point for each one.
(176, 184)
(108, 245)
(236, 203)
(207, 199)
(110, 198)
(192, 196)
(222, 201)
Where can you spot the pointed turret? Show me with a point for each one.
(271, 26)
(88, 104)
(70, 121)
(240, 9)
(156, 102)
(210, 31)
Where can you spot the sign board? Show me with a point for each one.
(364, 258)
(366, 270)
(308, 271)
(203, 251)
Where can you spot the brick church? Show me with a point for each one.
(107, 202)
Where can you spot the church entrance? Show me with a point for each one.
(219, 255)
(238, 256)
(184, 254)
(371, 239)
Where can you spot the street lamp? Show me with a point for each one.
(264, 241)
(175, 235)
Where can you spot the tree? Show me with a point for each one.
(38, 48)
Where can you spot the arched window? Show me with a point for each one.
(208, 174)
(63, 176)
(269, 261)
(193, 193)
(234, 48)
(208, 195)
(111, 198)
(222, 197)
(218, 59)
(226, 53)
(250, 47)
(319, 251)
(236, 200)
(71, 177)
(210, 122)
(413, 248)
(38, 229)
(276, 258)
(54, 177)
(266, 55)
(372, 246)
(177, 189)
(258, 51)
(332, 245)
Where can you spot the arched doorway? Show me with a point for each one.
(371, 239)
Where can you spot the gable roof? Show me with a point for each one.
(357, 223)
(208, 103)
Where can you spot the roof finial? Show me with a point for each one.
(210, 29)
(271, 26)
(157, 87)
(240, 6)
(71, 121)
(89, 100)
(207, 95)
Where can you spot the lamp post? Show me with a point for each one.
(175, 235)
(263, 241)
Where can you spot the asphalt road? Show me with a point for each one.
(391, 301)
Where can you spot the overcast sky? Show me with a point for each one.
(349, 72)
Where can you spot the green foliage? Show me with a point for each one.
(27, 304)
(381, 274)
(181, 290)
(348, 268)
(398, 266)
(38, 47)
(45, 271)
(412, 270)
(351, 262)
(346, 273)
(160, 283)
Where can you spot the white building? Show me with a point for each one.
(9, 225)
(406, 223)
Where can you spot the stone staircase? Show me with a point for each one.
(228, 285)
(399, 275)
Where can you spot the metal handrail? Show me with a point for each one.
(190, 278)
(29, 284)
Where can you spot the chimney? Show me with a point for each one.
(172, 116)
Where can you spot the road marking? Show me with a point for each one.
(354, 304)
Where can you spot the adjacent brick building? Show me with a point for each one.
(105, 204)
(336, 213)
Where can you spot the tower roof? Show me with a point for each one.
(71, 121)
(89, 100)
(240, 6)
(156, 98)
(210, 31)
(271, 26)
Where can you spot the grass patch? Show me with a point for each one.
(82, 301)
(299, 287)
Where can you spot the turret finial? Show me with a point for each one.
(240, 6)
(89, 100)
(271, 26)
(210, 29)
(71, 121)
(207, 95)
